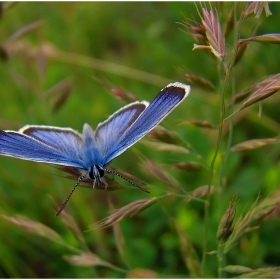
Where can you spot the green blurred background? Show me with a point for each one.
(142, 36)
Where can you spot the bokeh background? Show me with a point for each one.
(59, 62)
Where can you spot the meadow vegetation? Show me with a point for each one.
(212, 166)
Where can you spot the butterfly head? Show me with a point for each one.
(96, 173)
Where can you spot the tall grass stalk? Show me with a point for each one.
(221, 92)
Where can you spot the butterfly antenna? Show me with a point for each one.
(81, 178)
(133, 184)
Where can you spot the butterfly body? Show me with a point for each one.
(90, 152)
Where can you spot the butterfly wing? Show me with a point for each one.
(66, 140)
(167, 99)
(64, 146)
(108, 132)
(43, 144)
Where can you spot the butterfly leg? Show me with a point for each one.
(94, 183)
(105, 183)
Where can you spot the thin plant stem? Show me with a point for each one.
(207, 202)
(221, 254)
(231, 115)
(222, 185)
(221, 260)
(237, 36)
(222, 117)
(116, 268)
(106, 66)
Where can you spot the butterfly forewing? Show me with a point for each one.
(22, 146)
(167, 99)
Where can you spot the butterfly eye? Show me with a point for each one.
(100, 171)
(91, 175)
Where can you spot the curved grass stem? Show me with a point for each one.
(221, 261)
(207, 202)
(221, 255)
(228, 68)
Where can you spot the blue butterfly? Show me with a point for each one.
(88, 154)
